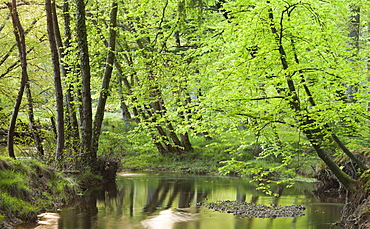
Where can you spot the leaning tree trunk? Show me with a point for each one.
(57, 79)
(71, 114)
(313, 134)
(106, 80)
(21, 43)
(311, 100)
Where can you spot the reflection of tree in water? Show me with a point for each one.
(84, 213)
(152, 199)
(184, 189)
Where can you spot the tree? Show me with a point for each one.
(53, 29)
(21, 43)
(111, 47)
(87, 156)
(288, 67)
(158, 53)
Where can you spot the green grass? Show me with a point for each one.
(133, 146)
(18, 208)
(28, 187)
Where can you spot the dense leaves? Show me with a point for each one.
(276, 77)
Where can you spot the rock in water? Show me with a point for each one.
(253, 210)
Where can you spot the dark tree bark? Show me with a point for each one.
(71, 114)
(57, 79)
(123, 79)
(99, 116)
(21, 43)
(87, 159)
(125, 112)
(354, 34)
(311, 100)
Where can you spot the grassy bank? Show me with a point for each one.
(28, 188)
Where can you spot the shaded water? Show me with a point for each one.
(168, 201)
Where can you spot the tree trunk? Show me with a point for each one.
(57, 80)
(124, 109)
(71, 114)
(314, 134)
(99, 116)
(87, 159)
(311, 100)
(34, 130)
(21, 43)
(354, 34)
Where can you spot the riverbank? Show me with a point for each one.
(28, 188)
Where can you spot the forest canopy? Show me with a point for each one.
(273, 84)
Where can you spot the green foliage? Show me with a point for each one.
(17, 207)
(214, 71)
(1, 218)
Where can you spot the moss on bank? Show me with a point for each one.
(28, 188)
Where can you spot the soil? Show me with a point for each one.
(356, 211)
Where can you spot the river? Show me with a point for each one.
(162, 200)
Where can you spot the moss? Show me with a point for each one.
(1, 218)
(365, 180)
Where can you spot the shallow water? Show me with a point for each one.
(159, 200)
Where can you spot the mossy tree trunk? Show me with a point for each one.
(53, 30)
(72, 130)
(104, 92)
(33, 125)
(87, 156)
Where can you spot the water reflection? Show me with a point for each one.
(169, 200)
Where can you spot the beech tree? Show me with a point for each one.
(285, 63)
(86, 115)
(53, 31)
(21, 43)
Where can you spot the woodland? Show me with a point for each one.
(271, 89)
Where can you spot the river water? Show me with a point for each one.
(161, 200)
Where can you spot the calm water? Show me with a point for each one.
(168, 201)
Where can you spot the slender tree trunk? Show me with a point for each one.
(21, 43)
(57, 79)
(311, 100)
(171, 141)
(87, 159)
(99, 116)
(34, 130)
(354, 34)
(124, 109)
(313, 134)
(123, 79)
(125, 113)
(71, 114)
